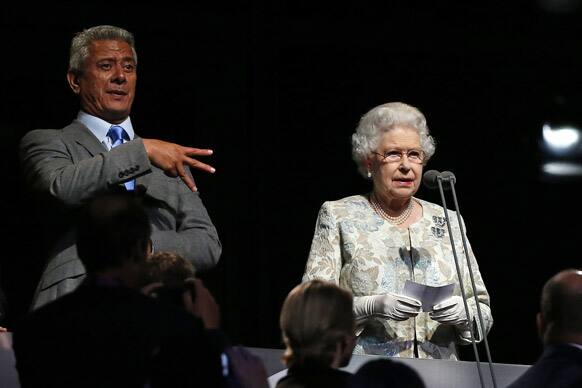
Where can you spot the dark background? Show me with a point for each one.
(276, 88)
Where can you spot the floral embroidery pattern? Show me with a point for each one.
(437, 232)
(355, 248)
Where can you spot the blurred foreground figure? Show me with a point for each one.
(106, 333)
(318, 325)
(559, 325)
(171, 279)
(386, 373)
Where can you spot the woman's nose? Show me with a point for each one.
(404, 165)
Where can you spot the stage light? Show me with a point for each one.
(563, 169)
(561, 147)
(561, 139)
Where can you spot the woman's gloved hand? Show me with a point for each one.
(392, 306)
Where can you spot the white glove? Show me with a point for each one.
(390, 305)
(450, 312)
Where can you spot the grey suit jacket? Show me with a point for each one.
(69, 166)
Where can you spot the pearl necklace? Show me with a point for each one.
(377, 206)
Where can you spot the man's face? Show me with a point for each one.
(106, 86)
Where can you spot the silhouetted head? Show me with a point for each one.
(169, 268)
(385, 373)
(169, 277)
(560, 316)
(113, 229)
(317, 323)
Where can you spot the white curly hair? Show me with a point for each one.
(382, 119)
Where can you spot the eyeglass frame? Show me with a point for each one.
(401, 153)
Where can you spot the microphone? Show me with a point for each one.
(431, 179)
(449, 176)
(434, 179)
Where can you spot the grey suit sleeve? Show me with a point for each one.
(192, 234)
(71, 172)
(72, 166)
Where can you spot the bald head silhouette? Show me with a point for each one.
(560, 316)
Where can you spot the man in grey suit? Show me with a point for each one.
(100, 152)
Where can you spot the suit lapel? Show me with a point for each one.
(81, 135)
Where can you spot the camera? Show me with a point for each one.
(174, 295)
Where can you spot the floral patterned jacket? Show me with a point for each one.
(357, 249)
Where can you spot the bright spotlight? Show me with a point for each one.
(560, 138)
(562, 169)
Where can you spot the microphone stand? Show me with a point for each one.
(461, 285)
(463, 238)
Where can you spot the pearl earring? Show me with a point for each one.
(369, 174)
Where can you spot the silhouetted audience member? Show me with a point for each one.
(559, 325)
(106, 333)
(171, 279)
(169, 268)
(385, 373)
(317, 323)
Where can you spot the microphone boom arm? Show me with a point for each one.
(459, 275)
(463, 238)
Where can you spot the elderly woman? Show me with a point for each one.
(372, 244)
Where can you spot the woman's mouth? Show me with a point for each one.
(404, 182)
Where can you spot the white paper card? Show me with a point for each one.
(428, 295)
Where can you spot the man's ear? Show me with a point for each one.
(541, 324)
(73, 80)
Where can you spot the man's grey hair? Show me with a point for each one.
(384, 118)
(82, 40)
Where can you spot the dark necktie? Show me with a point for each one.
(118, 135)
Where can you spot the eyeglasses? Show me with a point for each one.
(393, 156)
